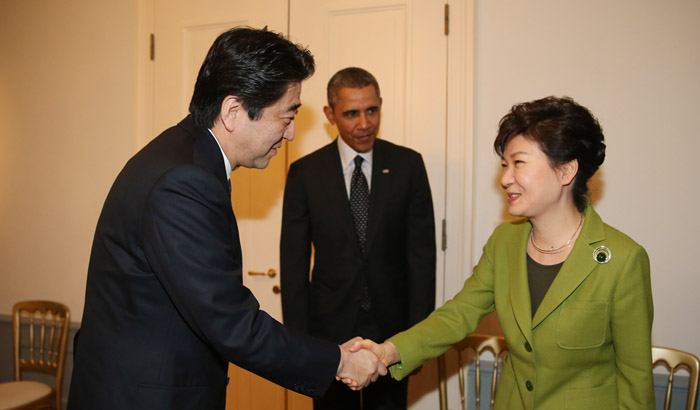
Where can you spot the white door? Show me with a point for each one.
(401, 42)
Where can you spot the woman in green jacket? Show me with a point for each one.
(572, 294)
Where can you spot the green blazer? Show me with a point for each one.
(588, 345)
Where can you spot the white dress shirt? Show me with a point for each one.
(347, 161)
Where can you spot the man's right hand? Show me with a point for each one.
(359, 368)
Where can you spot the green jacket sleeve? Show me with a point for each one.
(450, 323)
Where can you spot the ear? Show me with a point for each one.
(568, 172)
(329, 114)
(231, 110)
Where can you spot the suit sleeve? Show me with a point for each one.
(295, 253)
(420, 245)
(632, 315)
(194, 252)
(450, 323)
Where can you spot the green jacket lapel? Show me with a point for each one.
(518, 284)
(578, 265)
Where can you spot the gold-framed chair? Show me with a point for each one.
(40, 338)
(477, 344)
(674, 359)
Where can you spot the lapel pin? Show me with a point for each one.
(385, 171)
(602, 254)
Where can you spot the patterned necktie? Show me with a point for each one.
(359, 202)
(359, 205)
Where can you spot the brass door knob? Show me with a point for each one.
(271, 273)
(276, 290)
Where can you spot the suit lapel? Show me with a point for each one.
(578, 265)
(381, 160)
(337, 195)
(207, 155)
(519, 287)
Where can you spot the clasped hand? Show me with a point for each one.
(362, 361)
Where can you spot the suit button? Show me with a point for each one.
(528, 385)
(528, 347)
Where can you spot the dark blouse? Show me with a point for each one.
(540, 278)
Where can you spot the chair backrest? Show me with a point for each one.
(40, 330)
(477, 344)
(674, 359)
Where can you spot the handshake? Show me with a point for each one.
(362, 361)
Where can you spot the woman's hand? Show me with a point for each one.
(385, 352)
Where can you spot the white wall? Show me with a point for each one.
(67, 125)
(636, 65)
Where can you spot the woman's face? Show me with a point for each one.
(532, 186)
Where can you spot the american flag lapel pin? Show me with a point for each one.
(385, 171)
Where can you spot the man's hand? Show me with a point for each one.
(360, 367)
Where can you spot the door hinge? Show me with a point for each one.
(153, 46)
(444, 234)
(447, 19)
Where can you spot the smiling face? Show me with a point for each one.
(532, 185)
(255, 142)
(357, 114)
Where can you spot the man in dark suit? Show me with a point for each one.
(373, 233)
(165, 308)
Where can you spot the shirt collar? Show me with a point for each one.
(227, 163)
(347, 154)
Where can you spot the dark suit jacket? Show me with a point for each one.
(165, 308)
(399, 264)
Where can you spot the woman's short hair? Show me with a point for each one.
(563, 130)
(257, 66)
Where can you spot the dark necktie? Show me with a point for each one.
(359, 205)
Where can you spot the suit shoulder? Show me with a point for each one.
(172, 146)
(507, 234)
(621, 239)
(315, 157)
(396, 149)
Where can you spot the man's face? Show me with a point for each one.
(357, 114)
(257, 141)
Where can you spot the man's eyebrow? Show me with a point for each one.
(294, 107)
